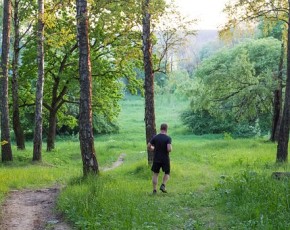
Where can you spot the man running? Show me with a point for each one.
(161, 144)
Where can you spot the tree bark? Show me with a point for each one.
(149, 119)
(51, 131)
(37, 140)
(5, 130)
(90, 164)
(56, 103)
(53, 108)
(277, 102)
(18, 131)
(282, 148)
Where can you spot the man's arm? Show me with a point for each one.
(150, 147)
(169, 148)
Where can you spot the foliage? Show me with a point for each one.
(114, 54)
(209, 49)
(102, 125)
(250, 12)
(170, 37)
(176, 82)
(202, 122)
(3, 142)
(272, 29)
(237, 82)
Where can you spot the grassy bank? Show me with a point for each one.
(216, 182)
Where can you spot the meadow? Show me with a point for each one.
(217, 182)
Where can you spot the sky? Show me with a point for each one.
(208, 12)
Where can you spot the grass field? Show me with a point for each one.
(216, 182)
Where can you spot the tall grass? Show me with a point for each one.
(207, 188)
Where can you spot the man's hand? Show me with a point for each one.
(150, 147)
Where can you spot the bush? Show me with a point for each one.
(101, 125)
(202, 122)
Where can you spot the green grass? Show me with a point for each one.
(204, 170)
(216, 182)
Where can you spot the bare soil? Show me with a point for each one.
(117, 163)
(35, 209)
(32, 210)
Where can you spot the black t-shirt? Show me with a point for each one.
(160, 142)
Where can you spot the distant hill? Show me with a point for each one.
(204, 36)
(188, 56)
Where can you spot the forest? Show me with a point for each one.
(86, 84)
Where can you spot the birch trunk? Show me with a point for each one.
(150, 125)
(18, 131)
(37, 140)
(90, 164)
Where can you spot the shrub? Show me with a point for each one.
(202, 122)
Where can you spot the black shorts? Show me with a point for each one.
(165, 167)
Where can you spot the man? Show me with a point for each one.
(161, 145)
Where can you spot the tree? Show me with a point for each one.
(248, 70)
(37, 140)
(166, 38)
(269, 11)
(115, 53)
(90, 164)
(282, 148)
(172, 39)
(18, 131)
(278, 101)
(5, 130)
(149, 119)
(19, 15)
(272, 29)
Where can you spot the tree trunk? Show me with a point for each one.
(57, 100)
(53, 108)
(18, 131)
(51, 131)
(5, 130)
(282, 148)
(150, 125)
(90, 164)
(277, 103)
(37, 140)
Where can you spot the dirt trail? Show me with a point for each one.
(31, 210)
(35, 209)
(116, 163)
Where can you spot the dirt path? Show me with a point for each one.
(31, 210)
(116, 163)
(35, 209)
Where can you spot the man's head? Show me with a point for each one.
(164, 127)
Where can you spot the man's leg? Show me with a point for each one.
(155, 180)
(166, 170)
(165, 179)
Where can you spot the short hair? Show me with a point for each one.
(164, 127)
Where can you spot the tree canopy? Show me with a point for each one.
(238, 81)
